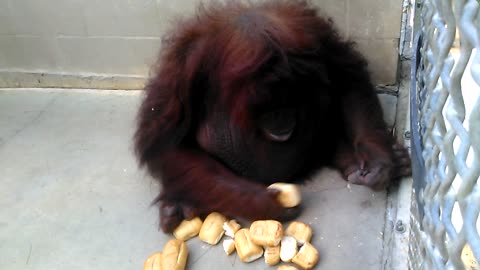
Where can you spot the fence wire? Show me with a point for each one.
(445, 114)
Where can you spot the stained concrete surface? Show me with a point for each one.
(72, 197)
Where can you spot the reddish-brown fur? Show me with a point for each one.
(225, 78)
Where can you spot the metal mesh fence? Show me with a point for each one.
(445, 117)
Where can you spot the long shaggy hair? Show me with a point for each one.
(244, 95)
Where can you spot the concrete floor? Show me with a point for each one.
(72, 197)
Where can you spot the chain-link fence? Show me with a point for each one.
(445, 117)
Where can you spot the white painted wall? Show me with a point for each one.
(112, 43)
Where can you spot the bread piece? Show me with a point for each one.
(468, 259)
(231, 227)
(272, 255)
(188, 229)
(267, 233)
(287, 267)
(229, 246)
(174, 255)
(212, 228)
(288, 248)
(307, 257)
(300, 231)
(290, 195)
(153, 262)
(247, 251)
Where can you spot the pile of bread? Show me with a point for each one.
(265, 238)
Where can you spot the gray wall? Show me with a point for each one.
(112, 43)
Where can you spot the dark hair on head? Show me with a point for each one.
(227, 48)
